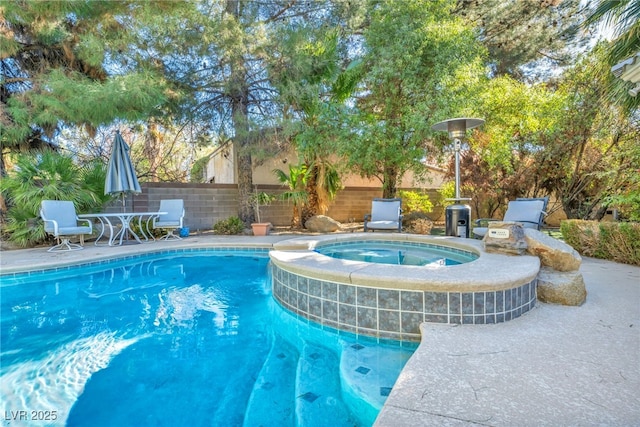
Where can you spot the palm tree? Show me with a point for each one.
(313, 93)
(323, 184)
(296, 182)
(624, 16)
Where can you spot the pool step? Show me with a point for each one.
(368, 375)
(271, 401)
(227, 410)
(318, 396)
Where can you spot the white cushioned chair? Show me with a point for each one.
(61, 221)
(172, 220)
(528, 212)
(386, 214)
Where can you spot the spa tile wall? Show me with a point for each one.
(392, 313)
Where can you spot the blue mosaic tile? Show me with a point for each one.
(388, 299)
(281, 355)
(366, 297)
(315, 356)
(330, 311)
(357, 347)
(467, 303)
(435, 302)
(410, 322)
(330, 291)
(309, 397)
(490, 302)
(455, 303)
(411, 301)
(347, 315)
(367, 318)
(388, 321)
(478, 303)
(362, 370)
(347, 294)
(367, 314)
(385, 391)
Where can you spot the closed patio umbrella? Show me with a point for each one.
(121, 175)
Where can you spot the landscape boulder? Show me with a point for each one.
(513, 244)
(417, 223)
(561, 287)
(552, 252)
(322, 224)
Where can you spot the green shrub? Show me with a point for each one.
(231, 225)
(615, 241)
(414, 201)
(572, 233)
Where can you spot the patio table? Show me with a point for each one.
(125, 219)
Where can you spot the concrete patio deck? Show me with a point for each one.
(555, 365)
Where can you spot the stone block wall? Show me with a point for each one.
(206, 204)
(351, 204)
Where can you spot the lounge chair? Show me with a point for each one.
(545, 200)
(173, 218)
(529, 212)
(386, 214)
(61, 221)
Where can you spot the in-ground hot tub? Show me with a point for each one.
(391, 301)
(397, 253)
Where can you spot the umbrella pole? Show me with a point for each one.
(123, 211)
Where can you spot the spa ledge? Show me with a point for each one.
(489, 272)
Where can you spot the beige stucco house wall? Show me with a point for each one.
(221, 170)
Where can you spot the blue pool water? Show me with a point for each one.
(183, 339)
(397, 253)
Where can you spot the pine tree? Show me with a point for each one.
(75, 63)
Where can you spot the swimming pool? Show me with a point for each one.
(180, 339)
(397, 253)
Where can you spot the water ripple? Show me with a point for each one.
(55, 382)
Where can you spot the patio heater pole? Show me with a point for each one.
(458, 215)
(456, 146)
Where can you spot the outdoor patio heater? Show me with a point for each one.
(458, 215)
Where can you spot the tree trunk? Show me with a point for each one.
(390, 182)
(152, 144)
(246, 211)
(311, 208)
(295, 221)
(239, 96)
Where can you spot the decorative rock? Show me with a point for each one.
(322, 224)
(422, 226)
(514, 244)
(552, 252)
(556, 287)
(417, 222)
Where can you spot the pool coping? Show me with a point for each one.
(297, 256)
(38, 259)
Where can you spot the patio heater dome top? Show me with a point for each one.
(457, 127)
